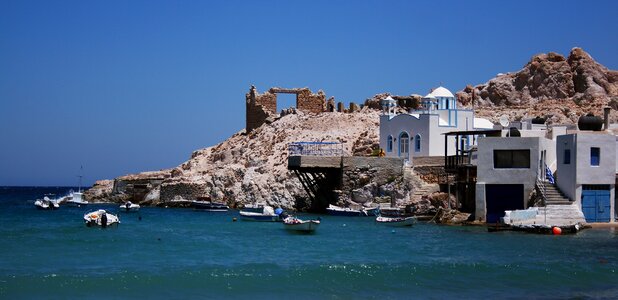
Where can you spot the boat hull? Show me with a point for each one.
(343, 213)
(303, 226)
(347, 212)
(76, 203)
(209, 206)
(93, 219)
(129, 207)
(258, 217)
(43, 205)
(396, 222)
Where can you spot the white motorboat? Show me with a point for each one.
(295, 224)
(334, 210)
(46, 204)
(100, 218)
(267, 215)
(396, 221)
(129, 207)
(75, 199)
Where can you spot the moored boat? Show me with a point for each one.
(129, 207)
(100, 218)
(75, 199)
(396, 221)
(267, 215)
(334, 210)
(46, 204)
(295, 224)
(209, 206)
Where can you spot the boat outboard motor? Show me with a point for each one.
(127, 205)
(104, 219)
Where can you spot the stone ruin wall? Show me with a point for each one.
(259, 107)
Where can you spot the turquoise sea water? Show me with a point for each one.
(181, 253)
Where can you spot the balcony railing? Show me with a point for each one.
(315, 149)
(453, 161)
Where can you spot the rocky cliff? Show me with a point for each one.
(252, 167)
(550, 85)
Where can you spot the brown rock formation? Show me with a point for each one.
(549, 85)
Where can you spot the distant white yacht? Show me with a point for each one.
(76, 198)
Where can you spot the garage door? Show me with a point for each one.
(595, 203)
(501, 197)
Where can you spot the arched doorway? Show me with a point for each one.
(404, 145)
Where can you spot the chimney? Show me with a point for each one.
(606, 111)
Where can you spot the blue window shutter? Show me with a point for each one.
(595, 156)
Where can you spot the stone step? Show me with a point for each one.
(555, 215)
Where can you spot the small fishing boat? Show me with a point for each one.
(100, 218)
(46, 204)
(209, 206)
(334, 210)
(396, 221)
(295, 224)
(267, 215)
(75, 199)
(129, 207)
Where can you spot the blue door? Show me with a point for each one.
(501, 197)
(595, 203)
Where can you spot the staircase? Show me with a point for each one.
(553, 196)
(420, 188)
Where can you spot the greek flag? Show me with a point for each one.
(549, 175)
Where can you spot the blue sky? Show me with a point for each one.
(128, 86)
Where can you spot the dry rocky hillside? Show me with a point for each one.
(550, 85)
(252, 167)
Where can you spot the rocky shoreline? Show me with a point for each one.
(252, 167)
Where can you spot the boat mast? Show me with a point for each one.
(81, 170)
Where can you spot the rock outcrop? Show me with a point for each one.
(550, 85)
(248, 168)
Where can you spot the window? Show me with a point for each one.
(595, 156)
(389, 144)
(507, 159)
(417, 143)
(567, 157)
(404, 146)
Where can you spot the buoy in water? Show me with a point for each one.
(393, 231)
(234, 219)
(556, 230)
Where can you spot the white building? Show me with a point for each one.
(586, 172)
(584, 163)
(420, 133)
(507, 171)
